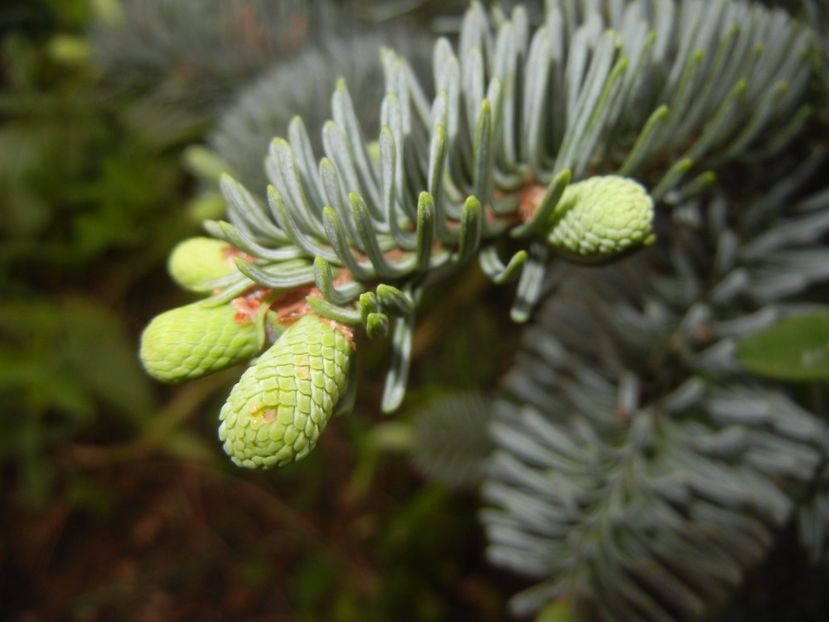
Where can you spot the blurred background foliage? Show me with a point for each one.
(117, 503)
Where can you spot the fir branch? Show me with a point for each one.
(303, 84)
(639, 472)
(660, 91)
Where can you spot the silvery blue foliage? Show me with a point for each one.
(639, 471)
(655, 90)
(302, 86)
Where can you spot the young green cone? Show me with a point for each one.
(280, 406)
(600, 218)
(196, 261)
(195, 340)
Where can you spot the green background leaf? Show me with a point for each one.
(795, 348)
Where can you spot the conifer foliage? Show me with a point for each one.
(639, 471)
(265, 108)
(548, 141)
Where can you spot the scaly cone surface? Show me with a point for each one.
(278, 409)
(195, 340)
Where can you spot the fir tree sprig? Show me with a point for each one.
(531, 139)
(264, 108)
(639, 471)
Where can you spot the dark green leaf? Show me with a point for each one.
(796, 348)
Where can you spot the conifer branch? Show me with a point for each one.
(639, 471)
(534, 136)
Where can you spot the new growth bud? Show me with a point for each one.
(600, 218)
(197, 261)
(282, 403)
(195, 340)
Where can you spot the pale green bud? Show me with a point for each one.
(601, 217)
(204, 163)
(196, 261)
(195, 340)
(282, 403)
(206, 206)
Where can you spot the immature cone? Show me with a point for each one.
(195, 261)
(602, 217)
(280, 406)
(194, 340)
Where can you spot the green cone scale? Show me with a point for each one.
(196, 261)
(195, 340)
(280, 406)
(602, 217)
